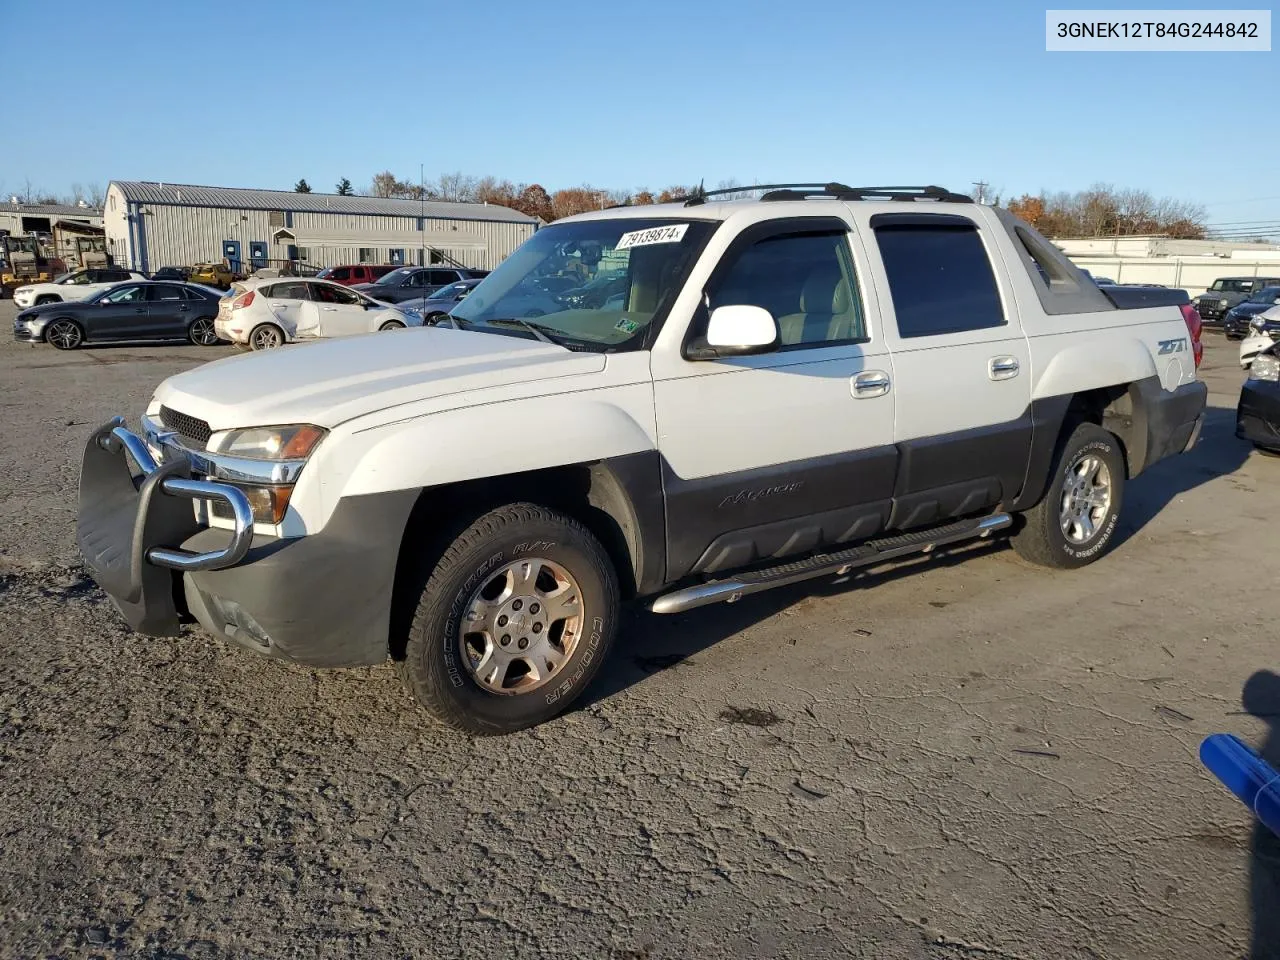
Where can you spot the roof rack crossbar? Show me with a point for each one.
(836, 191)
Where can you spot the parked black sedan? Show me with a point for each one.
(128, 311)
(1258, 413)
(1235, 324)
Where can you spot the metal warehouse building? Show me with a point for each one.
(23, 218)
(153, 225)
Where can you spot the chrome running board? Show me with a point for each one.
(864, 555)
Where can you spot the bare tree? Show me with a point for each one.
(96, 195)
(734, 194)
(455, 188)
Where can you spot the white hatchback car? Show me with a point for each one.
(262, 313)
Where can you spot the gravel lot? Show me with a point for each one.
(963, 757)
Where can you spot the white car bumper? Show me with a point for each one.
(24, 298)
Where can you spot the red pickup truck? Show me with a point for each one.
(356, 273)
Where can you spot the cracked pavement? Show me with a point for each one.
(963, 756)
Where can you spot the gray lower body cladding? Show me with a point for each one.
(323, 600)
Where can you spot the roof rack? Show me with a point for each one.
(834, 191)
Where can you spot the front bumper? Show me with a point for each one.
(323, 600)
(1258, 413)
(24, 300)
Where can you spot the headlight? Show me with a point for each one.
(1266, 366)
(291, 442)
(1222, 304)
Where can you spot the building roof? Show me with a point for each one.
(49, 210)
(235, 198)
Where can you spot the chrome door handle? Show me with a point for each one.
(872, 383)
(1002, 368)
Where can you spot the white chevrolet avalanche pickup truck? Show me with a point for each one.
(795, 386)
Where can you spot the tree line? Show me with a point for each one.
(531, 199)
(1105, 211)
(1100, 211)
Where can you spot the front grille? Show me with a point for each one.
(189, 428)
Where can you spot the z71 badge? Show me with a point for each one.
(1173, 346)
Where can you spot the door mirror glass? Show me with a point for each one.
(739, 330)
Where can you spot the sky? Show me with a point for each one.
(627, 95)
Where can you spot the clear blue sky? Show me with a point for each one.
(624, 95)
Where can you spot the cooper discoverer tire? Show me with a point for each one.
(1075, 522)
(522, 587)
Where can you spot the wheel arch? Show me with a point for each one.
(1121, 409)
(618, 500)
(84, 332)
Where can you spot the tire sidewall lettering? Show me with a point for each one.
(450, 647)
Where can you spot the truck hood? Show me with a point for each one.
(329, 382)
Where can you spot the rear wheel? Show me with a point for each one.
(266, 336)
(512, 622)
(64, 334)
(1076, 521)
(202, 332)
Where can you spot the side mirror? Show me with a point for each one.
(466, 293)
(738, 330)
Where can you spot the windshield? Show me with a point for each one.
(1231, 286)
(395, 277)
(641, 263)
(451, 291)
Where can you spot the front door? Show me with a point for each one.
(963, 367)
(121, 314)
(785, 452)
(257, 254)
(231, 253)
(341, 311)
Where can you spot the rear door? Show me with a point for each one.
(341, 312)
(290, 303)
(168, 310)
(961, 361)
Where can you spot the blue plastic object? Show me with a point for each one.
(1245, 774)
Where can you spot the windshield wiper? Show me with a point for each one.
(539, 330)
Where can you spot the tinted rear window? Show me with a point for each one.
(940, 278)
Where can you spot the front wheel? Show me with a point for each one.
(512, 622)
(64, 334)
(1076, 521)
(392, 325)
(49, 298)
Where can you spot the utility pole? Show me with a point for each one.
(981, 190)
(422, 209)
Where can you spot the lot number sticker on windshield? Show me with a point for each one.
(673, 233)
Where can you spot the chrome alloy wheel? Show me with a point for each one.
(203, 332)
(521, 625)
(1086, 498)
(63, 334)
